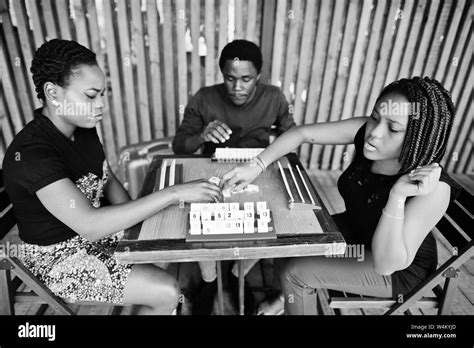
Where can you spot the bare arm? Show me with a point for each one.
(404, 226)
(340, 132)
(68, 204)
(114, 191)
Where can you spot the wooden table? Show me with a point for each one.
(167, 244)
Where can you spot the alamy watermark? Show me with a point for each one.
(400, 108)
(67, 108)
(356, 251)
(12, 250)
(28, 330)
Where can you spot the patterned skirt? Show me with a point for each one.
(79, 270)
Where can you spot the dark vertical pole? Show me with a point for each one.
(241, 287)
(7, 306)
(220, 293)
(266, 39)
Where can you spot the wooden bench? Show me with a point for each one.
(438, 290)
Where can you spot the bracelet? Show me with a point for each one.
(254, 163)
(392, 216)
(260, 163)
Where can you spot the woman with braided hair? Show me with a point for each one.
(57, 176)
(394, 192)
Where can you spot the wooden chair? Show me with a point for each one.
(17, 283)
(456, 228)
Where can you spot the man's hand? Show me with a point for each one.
(217, 132)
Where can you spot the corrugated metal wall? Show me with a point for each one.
(330, 57)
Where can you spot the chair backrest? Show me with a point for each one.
(135, 160)
(7, 216)
(456, 224)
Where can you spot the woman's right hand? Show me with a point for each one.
(197, 191)
(240, 177)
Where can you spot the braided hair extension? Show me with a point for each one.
(53, 61)
(428, 131)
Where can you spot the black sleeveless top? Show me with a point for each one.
(365, 194)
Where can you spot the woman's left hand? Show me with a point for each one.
(419, 181)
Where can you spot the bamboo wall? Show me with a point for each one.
(330, 57)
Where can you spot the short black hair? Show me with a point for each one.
(243, 50)
(53, 61)
(427, 134)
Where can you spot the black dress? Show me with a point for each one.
(365, 194)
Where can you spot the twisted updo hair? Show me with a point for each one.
(53, 61)
(427, 132)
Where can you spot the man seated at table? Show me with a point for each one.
(237, 113)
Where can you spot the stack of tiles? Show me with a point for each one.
(229, 218)
(236, 155)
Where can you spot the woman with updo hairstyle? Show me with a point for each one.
(394, 190)
(57, 178)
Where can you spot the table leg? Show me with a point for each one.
(220, 294)
(7, 305)
(241, 287)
